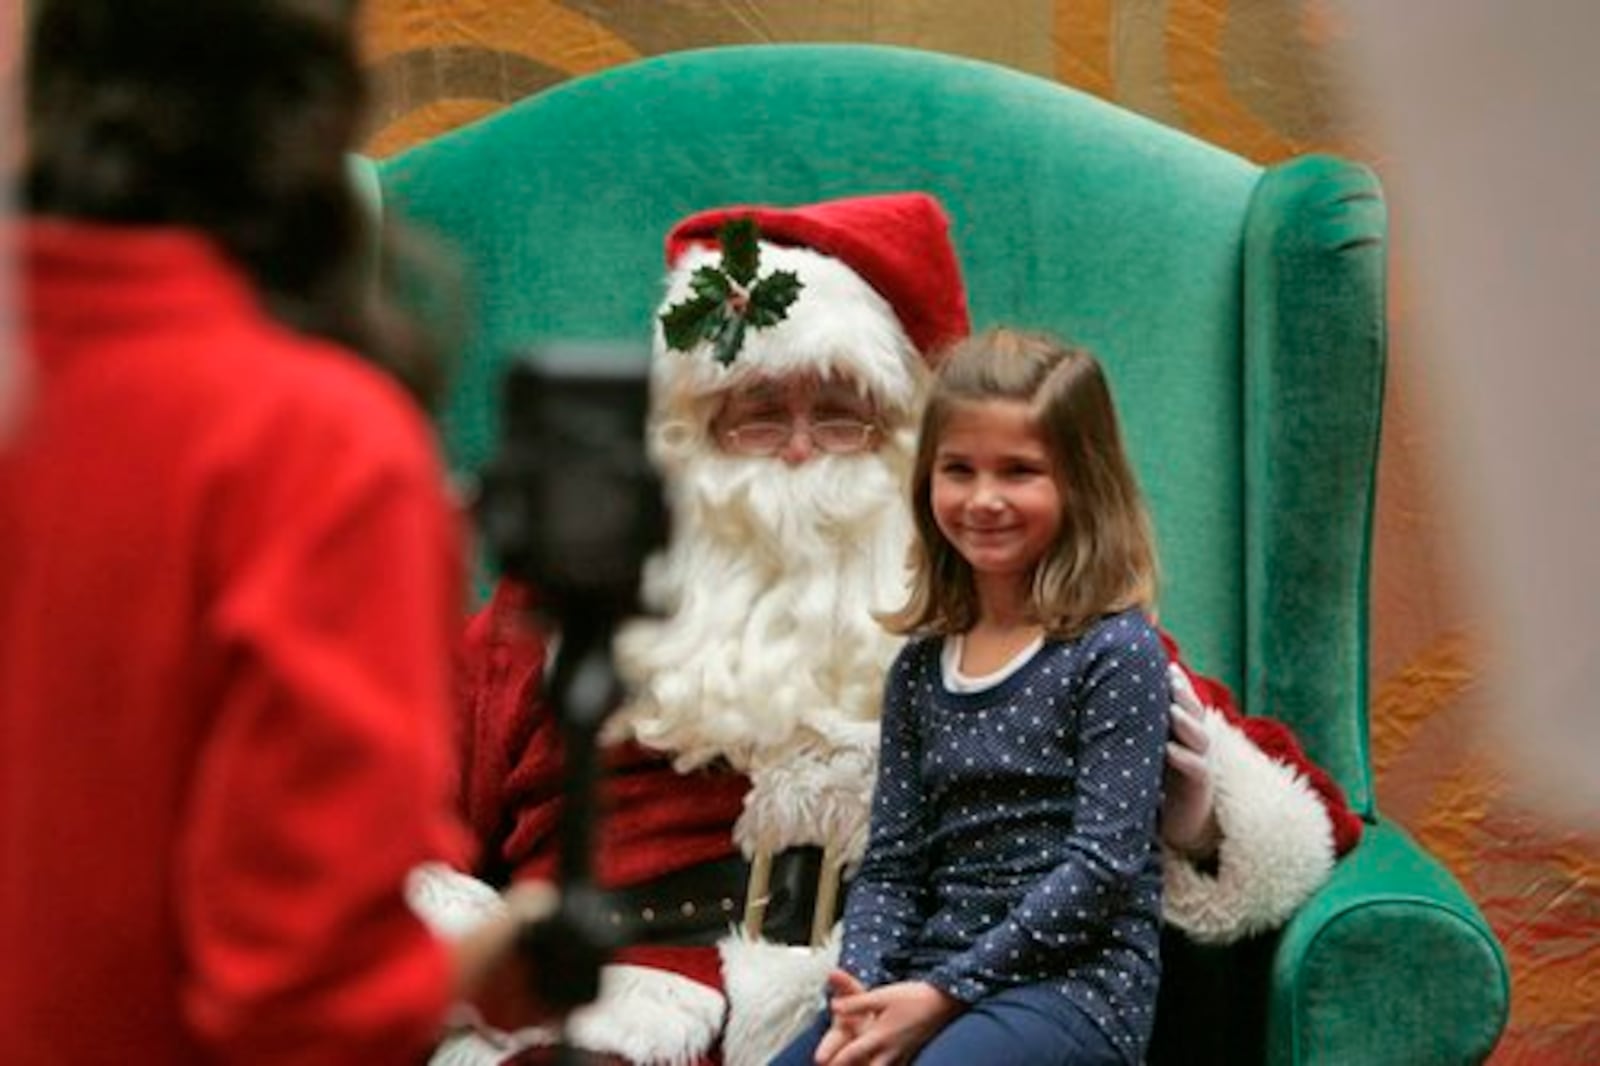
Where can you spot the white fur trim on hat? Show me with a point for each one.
(1277, 845)
(838, 325)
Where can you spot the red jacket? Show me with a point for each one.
(230, 583)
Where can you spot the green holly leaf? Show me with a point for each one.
(725, 301)
(740, 254)
(771, 297)
(727, 337)
(711, 283)
(687, 323)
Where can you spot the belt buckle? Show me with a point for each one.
(759, 894)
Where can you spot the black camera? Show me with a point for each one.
(571, 505)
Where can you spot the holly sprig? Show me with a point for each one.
(727, 300)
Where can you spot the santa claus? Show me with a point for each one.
(740, 768)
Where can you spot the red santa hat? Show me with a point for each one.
(881, 295)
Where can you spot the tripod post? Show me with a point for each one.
(571, 507)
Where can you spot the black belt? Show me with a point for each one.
(701, 905)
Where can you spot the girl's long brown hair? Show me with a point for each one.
(1104, 557)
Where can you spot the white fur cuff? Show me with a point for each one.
(647, 1015)
(1277, 846)
(643, 1015)
(471, 1047)
(774, 991)
(450, 902)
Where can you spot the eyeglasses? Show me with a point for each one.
(835, 437)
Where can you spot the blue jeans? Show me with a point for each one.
(1028, 1026)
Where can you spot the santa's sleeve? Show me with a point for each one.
(506, 739)
(1283, 819)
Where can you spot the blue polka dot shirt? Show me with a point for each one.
(1013, 835)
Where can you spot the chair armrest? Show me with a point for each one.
(1390, 962)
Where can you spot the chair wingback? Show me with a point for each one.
(1315, 344)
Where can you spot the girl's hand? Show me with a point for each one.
(846, 1027)
(886, 1026)
(1189, 804)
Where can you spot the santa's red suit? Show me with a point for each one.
(750, 729)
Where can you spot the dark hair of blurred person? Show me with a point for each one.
(233, 117)
(231, 575)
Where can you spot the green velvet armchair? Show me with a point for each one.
(1240, 312)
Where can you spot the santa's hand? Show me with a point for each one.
(1189, 809)
(491, 974)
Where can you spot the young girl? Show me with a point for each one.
(1008, 907)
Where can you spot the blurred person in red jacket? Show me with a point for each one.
(231, 573)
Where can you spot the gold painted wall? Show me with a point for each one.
(11, 27)
(1255, 76)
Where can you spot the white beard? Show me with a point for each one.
(768, 647)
